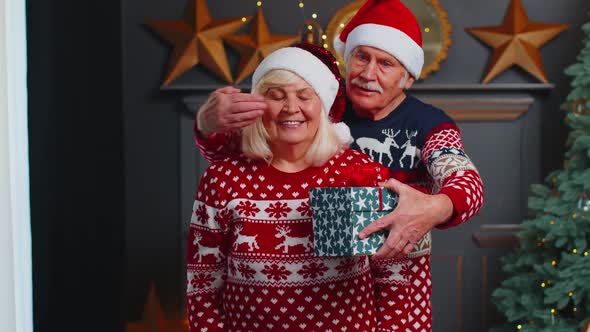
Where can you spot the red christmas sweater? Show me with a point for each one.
(250, 261)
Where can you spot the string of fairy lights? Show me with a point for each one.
(313, 27)
(547, 283)
(309, 22)
(314, 17)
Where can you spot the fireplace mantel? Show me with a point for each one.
(462, 102)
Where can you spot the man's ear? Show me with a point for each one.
(409, 82)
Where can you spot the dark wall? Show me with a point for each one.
(76, 163)
(468, 59)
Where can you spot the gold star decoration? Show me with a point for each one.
(256, 45)
(154, 319)
(197, 39)
(517, 42)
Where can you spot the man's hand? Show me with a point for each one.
(228, 109)
(415, 215)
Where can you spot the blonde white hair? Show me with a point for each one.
(326, 143)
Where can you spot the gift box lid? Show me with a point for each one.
(352, 199)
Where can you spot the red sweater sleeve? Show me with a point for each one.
(217, 146)
(206, 256)
(453, 173)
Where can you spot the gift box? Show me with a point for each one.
(340, 213)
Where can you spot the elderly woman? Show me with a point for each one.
(250, 257)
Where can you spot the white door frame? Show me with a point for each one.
(16, 301)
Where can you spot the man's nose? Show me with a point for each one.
(368, 72)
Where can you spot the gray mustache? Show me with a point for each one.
(372, 86)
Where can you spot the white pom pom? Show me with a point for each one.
(343, 133)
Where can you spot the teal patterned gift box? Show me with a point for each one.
(340, 213)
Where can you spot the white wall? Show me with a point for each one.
(15, 237)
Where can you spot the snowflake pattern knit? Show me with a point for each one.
(251, 265)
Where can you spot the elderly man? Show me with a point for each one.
(438, 185)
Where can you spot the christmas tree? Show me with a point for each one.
(548, 284)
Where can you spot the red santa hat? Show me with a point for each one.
(387, 25)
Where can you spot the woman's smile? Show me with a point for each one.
(291, 124)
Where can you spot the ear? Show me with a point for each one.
(409, 82)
